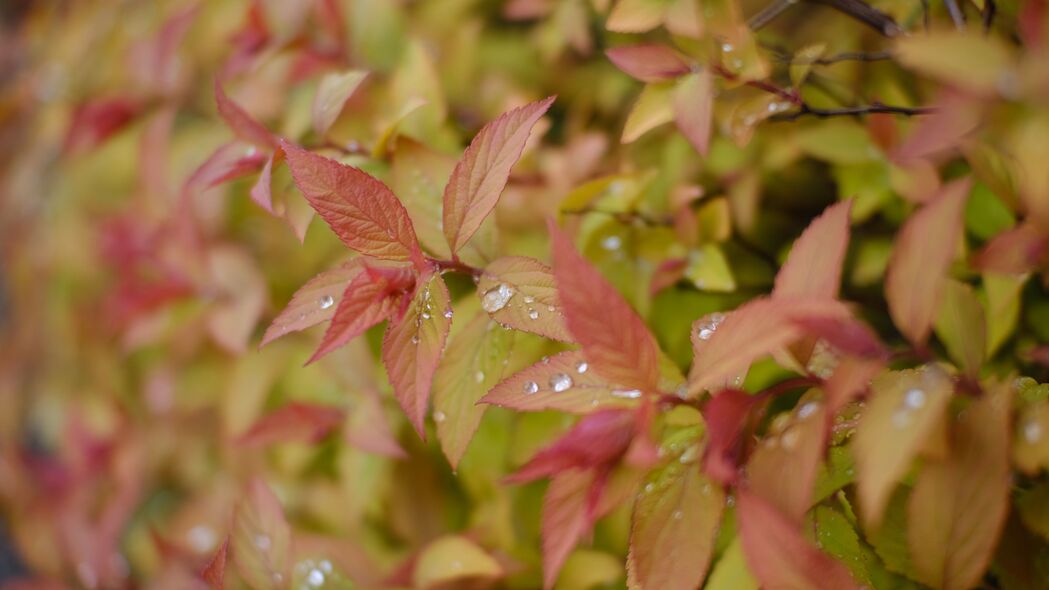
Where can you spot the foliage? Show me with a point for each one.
(646, 294)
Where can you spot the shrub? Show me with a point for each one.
(716, 294)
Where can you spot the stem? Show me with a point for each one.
(866, 14)
(956, 14)
(456, 265)
(862, 56)
(789, 385)
(769, 13)
(873, 108)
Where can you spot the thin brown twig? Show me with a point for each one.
(874, 108)
(861, 56)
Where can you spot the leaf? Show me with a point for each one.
(369, 299)
(1015, 251)
(728, 415)
(569, 512)
(97, 120)
(648, 63)
(692, 102)
(521, 293)
(923, 251)
(652, 109)
(850, 379)
(453, 558)
(904, 409)
(1031, 445)
(228, 162)
(294, 422)
(636, 16)
(596, 440)
(332, 93)
(241, 291)
(481, 174)
(241, 123)
(755, 329)
(782, 469)
(470, 367)
(1003, 308)
(673, 529)
(361, 210)
(314, 302)
(616, 342)
(709, 270)
(214, 573)
(412, 348)
(961, 327)
(563, 382)
(965, 59)
(368, 428)
(813, 268)
(730, 572)
(779, 556)
(959, 505)
(261, 539)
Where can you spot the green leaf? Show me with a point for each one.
(709, 270)
(961, 327)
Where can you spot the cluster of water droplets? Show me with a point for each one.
(914, 399)
(426, 313)
(312, 574)
(706, 330)
(558, 382)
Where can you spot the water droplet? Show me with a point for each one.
(560, 382)
(1032, 432)
(353, 145)
(315, 578)
(326, 566)
(678, 515)
(790, 438)
(533, 314)
(730, 501)
(727, 47)
(87, 574)
(202, 538)
(690, 455)
(496, 298)
(327, 301)
(250, 151)
(531, 387)
(649, 487)
(626, 393)
(705, 333)
(581, 367)
(612, 243)
(529, 299)
(425, 315)
(479, 376)
(448, 314)
(914, 398)
(263, 542)
(439, 416)
(550, 308)
(807, 409)
(415, 338)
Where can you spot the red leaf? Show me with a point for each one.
(369, 299)
(97, 120)
(598, 439)
(295, 422)
(648, 63)
(728, 415)
(314, 302)
(923, 251)
(813, 268)
(521, 293)
(693, 105)
(570, 508)
(756, 329)
(561, 382)
(1016, 251)
(412, 347)
(228, 162)
(481, 174)
(214, 572)
(362, 211)
(241, 123)
(779, 556)
(847, 335)
(615, 341)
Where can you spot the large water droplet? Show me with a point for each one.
(612, 243)
(581, 367)
(448, 314)
(807, 409)
(1032, 432)
(479, 376)
(531, 387)
(533, 314)
(496, 298)
(426, 315)
(327, 301)
(914, 398)
(789, 440)
(626, 393)
(439, 416)
(315, 578)
(560, 382)
(415, 338)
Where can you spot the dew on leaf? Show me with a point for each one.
(1032, 432)
(914, 398)
(327, 301)
(479, 376)
(560, 382)
(533, 314)
(612, 243)
(202, 538)
(263, 542)
(581, 367)
(531, 387)
(496, 298)
(807, 409)
(439, 416)
(626, 393)
(529, 299)
(448, 314)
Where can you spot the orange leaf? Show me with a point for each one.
(230, 161)
(615, 341)
(673, 529)
(779, 556)
(314, 302)
(562, 382)
(521, 293)
(1015, 251)
(570, 508)
(214, 572)
(756, 329)
(648, 63)
(296, 421)
(369, 299)
(481, 174)
(693, 106)
(902, 412)
(813, 268)
(362, 211)
(923, 251)
(597, 440)
(958, 506)
(240, 122)
(332, 93)
(261, 539)
(412, 347)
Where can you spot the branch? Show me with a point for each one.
(866, 14)
(861, 56)
(870, 109)
(769, 13)
(956, 13)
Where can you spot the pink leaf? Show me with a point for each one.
(332, 93)
(413, 346)
(214, 572)
(521, 293)
(569, 512)
(813, 268)
(598, 439)
(779, 556)
(241, 123)
(728, 415)
(261, 539)
(923, 251)
(314, 302)
(693, 105)
(369, 299)
(561, 382)
(361, 210)
(783, 467)
(99, 119)
(648, 63)
(481, 174)
(1016, 251)
(228, 162)
(851, 378)
(615, 341)
(295, 422)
